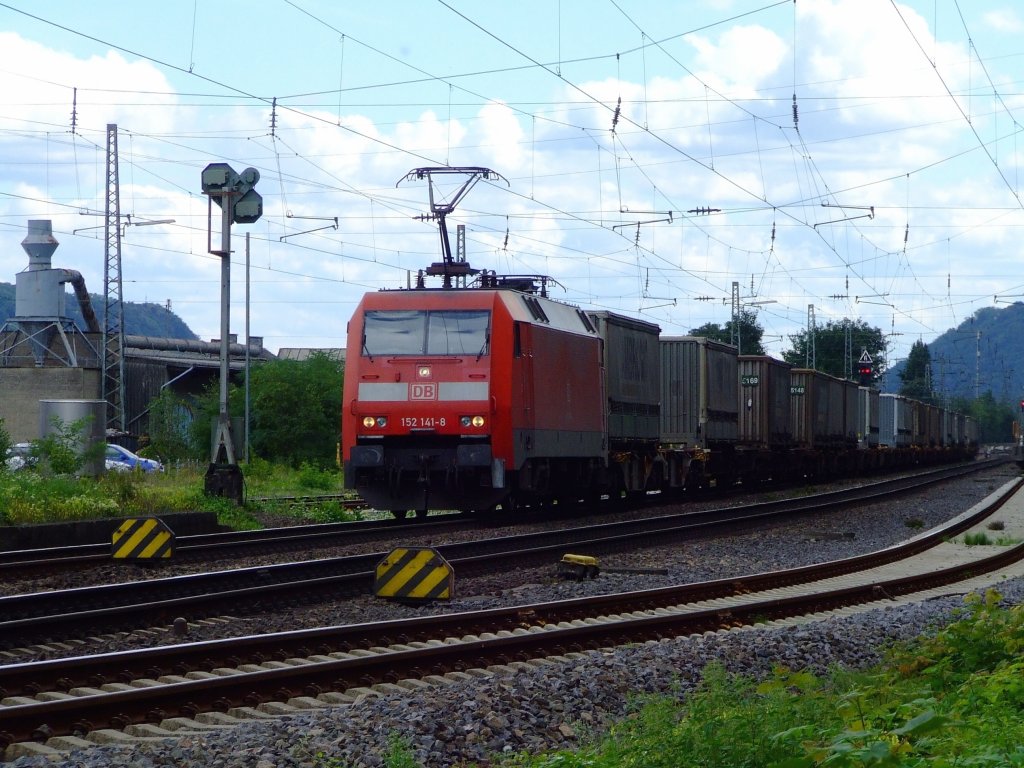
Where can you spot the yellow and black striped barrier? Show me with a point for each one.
(414, 574)
(143, 538)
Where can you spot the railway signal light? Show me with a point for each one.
(865, 369)
(219, 180)
(866, 372)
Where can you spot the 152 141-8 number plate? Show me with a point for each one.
(422, 422)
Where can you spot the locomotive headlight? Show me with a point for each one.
(478, 421)
(369, 421)
(375, 421)
(472, 421)
(423, 372)
(382, 421)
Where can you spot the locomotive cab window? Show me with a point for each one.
(426, 332)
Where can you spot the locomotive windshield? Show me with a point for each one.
(426, 332)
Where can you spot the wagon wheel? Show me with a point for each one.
(510, 505)
(399, 514)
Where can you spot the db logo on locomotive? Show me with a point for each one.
(423, 391)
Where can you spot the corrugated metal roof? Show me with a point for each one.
(304, 353)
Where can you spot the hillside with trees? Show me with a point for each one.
(982, 354)
(147, 319)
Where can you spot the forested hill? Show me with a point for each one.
(139, 319)
(985, 353)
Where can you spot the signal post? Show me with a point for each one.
(239, 203)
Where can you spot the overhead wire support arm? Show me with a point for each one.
(638, 223)
(665, 217)
(289, 215)
(869, 215)
(670, 302)
(869, 300)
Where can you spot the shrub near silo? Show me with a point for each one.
(5, 444)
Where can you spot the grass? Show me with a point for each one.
(29, 497)
(981, 539)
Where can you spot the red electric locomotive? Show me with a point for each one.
(467, 398)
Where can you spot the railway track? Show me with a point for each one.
(231, 544)
(94, 610)
(156, 691)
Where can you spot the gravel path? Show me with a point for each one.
(557, 705)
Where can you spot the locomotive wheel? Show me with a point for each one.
(509, 505)
(399, 514)
(421, 514)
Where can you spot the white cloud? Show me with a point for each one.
(1004, 20)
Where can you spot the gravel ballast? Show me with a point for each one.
(561, 703)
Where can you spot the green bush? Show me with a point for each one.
(316, 479)
(951, 699)
(5, 445)
(976, 539)
(258, 469)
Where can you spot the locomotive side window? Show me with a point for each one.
(418, 332)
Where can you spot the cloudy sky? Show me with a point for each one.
(861, 157)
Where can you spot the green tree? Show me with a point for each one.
(65, 449)
(751, 333)
(993, 418)
(832, 344)
(916, 376)
(169, 419)
(296, 410)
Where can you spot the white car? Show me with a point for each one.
(120, 459)
(19, 456)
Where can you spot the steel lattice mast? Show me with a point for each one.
(113, 305)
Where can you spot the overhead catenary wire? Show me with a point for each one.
(725, 236)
